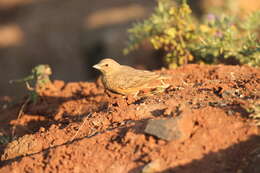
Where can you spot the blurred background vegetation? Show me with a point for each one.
(72, 35)
(219, 37)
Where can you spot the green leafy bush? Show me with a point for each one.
(185, 39)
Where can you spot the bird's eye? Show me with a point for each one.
(106, 65)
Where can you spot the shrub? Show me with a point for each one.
(185, 39)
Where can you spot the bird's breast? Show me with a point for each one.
(107, 82)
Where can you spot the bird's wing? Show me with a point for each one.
(129, 77)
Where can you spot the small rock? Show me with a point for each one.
(170, 129)
(42, 129)
(153, 167)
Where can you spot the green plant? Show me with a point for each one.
(228, 38)
(168, 28)
(36, 80)
(185, 39)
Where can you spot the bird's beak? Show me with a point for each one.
(96, 66)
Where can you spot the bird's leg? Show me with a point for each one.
(136, 94)
(160, 88)
(108, 93)
(164, 85)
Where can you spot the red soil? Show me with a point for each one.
(110, 129)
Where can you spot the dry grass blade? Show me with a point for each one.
(20, 115)
(85, 119)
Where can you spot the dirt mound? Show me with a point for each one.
(77, 127)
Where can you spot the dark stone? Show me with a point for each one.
(178, 128)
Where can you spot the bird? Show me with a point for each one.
(126, 80)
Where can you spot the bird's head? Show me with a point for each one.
(107, 66)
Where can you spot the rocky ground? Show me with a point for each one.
(201, 123)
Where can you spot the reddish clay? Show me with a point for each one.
(109, 129)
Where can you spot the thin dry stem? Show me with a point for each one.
(20, 115)
(80, 127)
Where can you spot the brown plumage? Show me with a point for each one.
(127, 80)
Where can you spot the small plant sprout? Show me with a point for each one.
(34, 83)
(36, 80)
